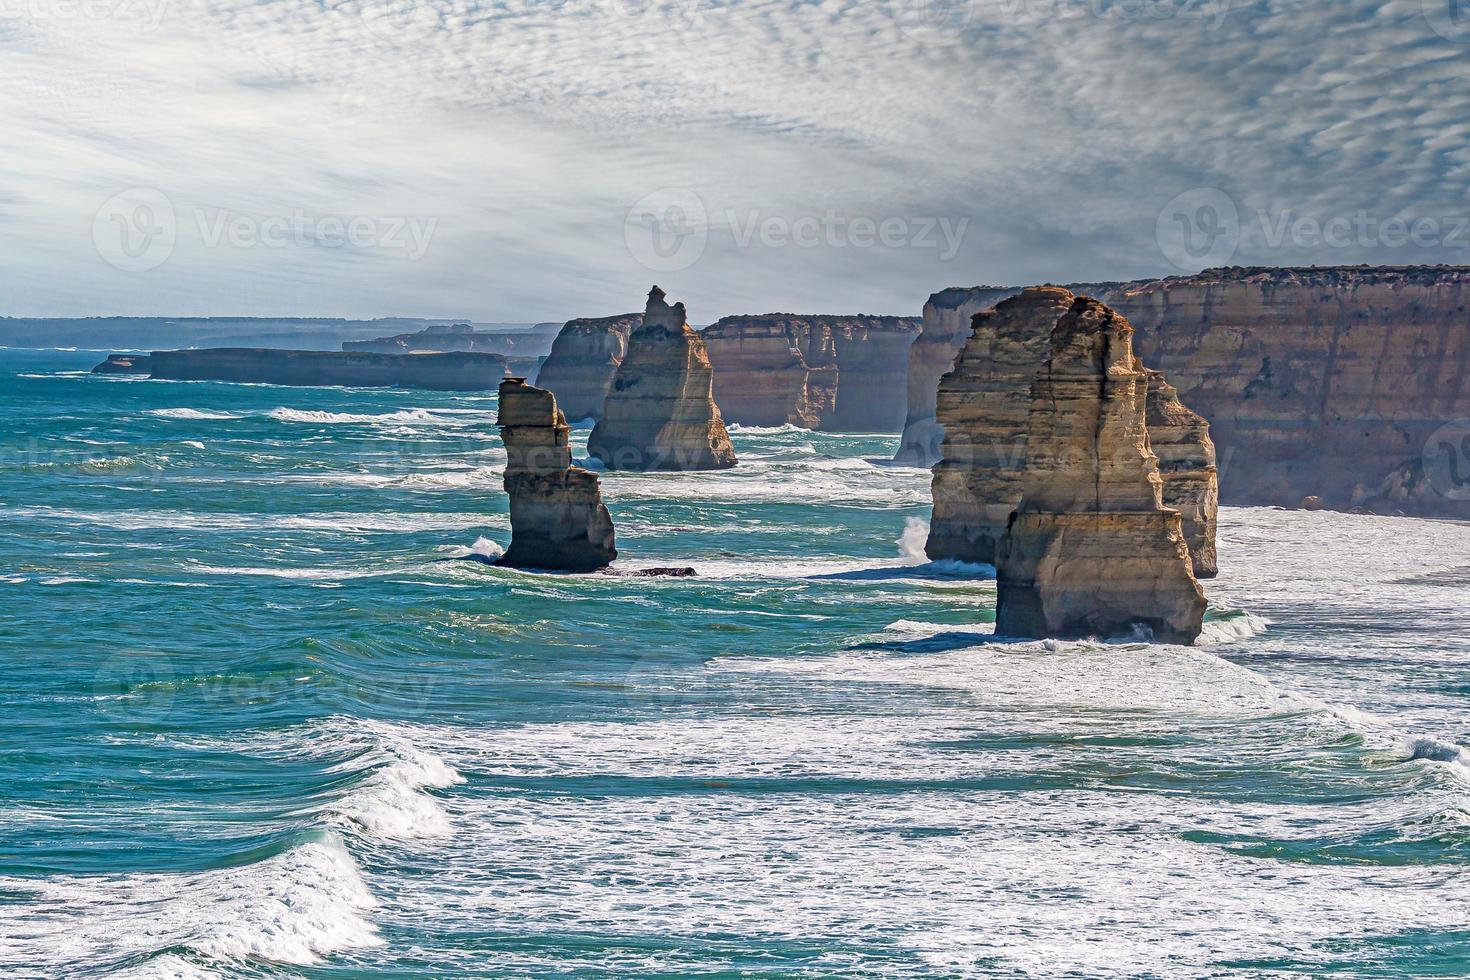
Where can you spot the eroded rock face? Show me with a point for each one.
(1092, 550)
(1180, 438)
(583, 361)
(1326, 382)
(946, 328)
(557, 518)
(835, 373)
(660, 412)
(983, 406)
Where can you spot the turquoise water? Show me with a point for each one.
(257, 729)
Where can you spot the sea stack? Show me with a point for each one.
(660, 412)
(1092, 550)
(583, 361)
(1180, 438)
(557, 518)
(983, 405)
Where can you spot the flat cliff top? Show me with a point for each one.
(1333, 276)
(730, 326)
(956, 296)
(600, 324)
(280, 354)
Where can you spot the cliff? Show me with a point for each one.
(836, 373)
(557, 517)
(532, 343)
(1325, 382)
(462, 371)
(945, 328)
(1091, 549)
(583, 361)
(660, 413)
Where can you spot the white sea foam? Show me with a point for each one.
(1232, 626)
(293, 908)
(193, 444)
(402, 417)
(194, 414)
(390, 804)
(911, 542)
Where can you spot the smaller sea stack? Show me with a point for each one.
(1180, 438)
(1092, 550)
(557, 519)
(660, 412)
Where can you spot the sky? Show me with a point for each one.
(530, 160)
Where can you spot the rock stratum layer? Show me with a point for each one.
(584, 360)
(458, 371)
(835, 373)
(1091, 549)
(1337, 383)
(984, 407)
(557, 518)
(660, 413)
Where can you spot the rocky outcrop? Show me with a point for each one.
(557, 518)
(459, 371)
(982, 407)
(583, 361)
(1323, 382)
(946, 328)
(1092, 550)
(124, 364)
(1180, 438)
(836, 373)
(660, 412)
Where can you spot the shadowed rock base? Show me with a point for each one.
(660, 413)
(557, 518)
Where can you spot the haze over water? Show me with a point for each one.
(257, 729)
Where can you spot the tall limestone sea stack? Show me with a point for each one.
(557, 518)
(1092, 550)
(584, 360)
(660, 412)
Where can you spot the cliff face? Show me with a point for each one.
(531, 343)
(946, 327)
(982, 406)
(583, 360)
(1092, 550)
(1181, 440)
(837, 373)
(557, 517)
(124, 364)
(459, 371)
(660, 413)
(1326, 382)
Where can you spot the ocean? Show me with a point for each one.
(255, 727)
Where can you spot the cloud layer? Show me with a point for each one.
(540, 159)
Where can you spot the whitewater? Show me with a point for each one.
(259, 728)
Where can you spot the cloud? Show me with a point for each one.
(825, 142)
